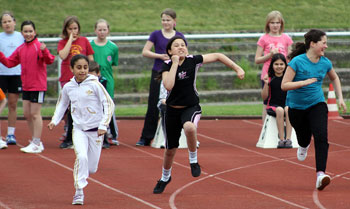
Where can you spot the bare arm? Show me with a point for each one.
(336, 83)
(169, 77)
(260, 58)
(265, 90)
(288, 84)
(219, 57)
(63, 53)
(147, 52)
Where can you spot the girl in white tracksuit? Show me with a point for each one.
(92, 108)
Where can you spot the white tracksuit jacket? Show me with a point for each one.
(91, 105)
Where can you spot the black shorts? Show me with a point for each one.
(34, 96)
(11, 84)
(175, 118)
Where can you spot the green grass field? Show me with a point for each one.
(193, 16)
(207, 109)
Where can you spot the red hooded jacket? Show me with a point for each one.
(33, 62)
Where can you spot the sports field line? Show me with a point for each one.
(173, 196)
(98, 182)
(3, 205)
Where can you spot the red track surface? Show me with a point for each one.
(235, 174)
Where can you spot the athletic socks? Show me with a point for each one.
(11, 130)
(166, 173)
(36, 141)
(192, 156)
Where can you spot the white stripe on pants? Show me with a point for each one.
(87, 148)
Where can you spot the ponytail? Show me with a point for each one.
(300, 48)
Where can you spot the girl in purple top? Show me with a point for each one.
(158, 39)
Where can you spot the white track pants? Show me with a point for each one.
(87, 148)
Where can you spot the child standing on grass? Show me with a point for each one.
(106, 55)
(158, 39)
(92, 109)
(10, 80)
(183, 109)
(308, 112)
(33, 57)
(272, 42)
(276, 99)
(3, 144)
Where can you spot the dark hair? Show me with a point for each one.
(9, 14)
(170, 42)
(78, 57)
(274, 58)
(314, 35)
(66, 23)
(94, 67)
(27, 22)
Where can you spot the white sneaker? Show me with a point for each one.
(322, 181)
(3, 144)
(42, 146)
(302, 153)
(32, 148)
(78, 199)
(198, 143)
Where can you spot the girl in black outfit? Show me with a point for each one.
(183, 109)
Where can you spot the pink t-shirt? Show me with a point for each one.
(79, 46)
(268, 42)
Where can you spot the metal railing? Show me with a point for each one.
(201, 36)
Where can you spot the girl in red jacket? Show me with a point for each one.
(33, 57)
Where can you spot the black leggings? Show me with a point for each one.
(312, 121)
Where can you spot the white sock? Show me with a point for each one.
(192, 156)
(166, 173)
(79, 192)
(11, 130)
(36, 141)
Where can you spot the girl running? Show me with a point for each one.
(308, 112)
(92, 109)
(182, 103)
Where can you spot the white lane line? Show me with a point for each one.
(100, 183)
(316, 200)
(3, 205)
(173, 195)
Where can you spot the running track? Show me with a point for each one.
(235, 174)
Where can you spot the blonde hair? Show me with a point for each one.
(272, 15)
(101, 21)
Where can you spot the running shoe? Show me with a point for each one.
(288, 143)
(78, 199)
(195, 169)
(3, 144)
(302, 153)
(160, 186)
(114, 141)
(322, 181)
(281, 144)
(32, 148)
(11, 140)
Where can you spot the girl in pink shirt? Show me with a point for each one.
(33, 57)
(272, 42)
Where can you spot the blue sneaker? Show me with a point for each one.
(11, 139)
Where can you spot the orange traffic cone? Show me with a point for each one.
(333, 112)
